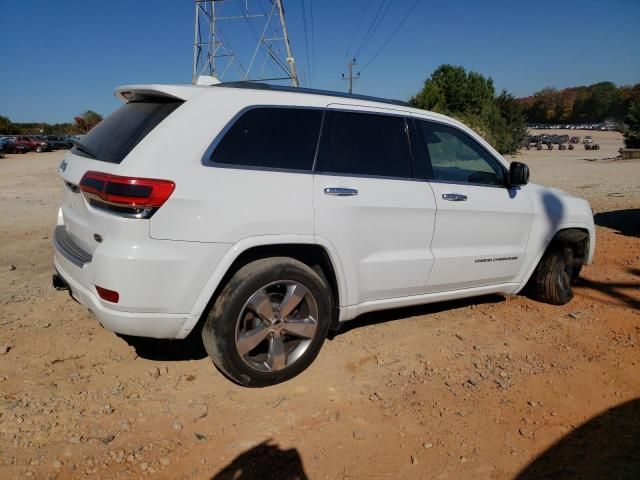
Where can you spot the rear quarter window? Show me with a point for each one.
(280, 138)
(113, 138)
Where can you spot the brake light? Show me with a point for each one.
(126, 196)
(108, 295)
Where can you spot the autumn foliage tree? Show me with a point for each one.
(588, 104)
(87, 120)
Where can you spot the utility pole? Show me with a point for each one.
(351, 78)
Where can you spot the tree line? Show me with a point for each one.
(471, 98)
(592, 104)
(502, 119)
(80, 125)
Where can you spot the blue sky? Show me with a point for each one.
(63, 57)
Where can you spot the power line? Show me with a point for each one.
(375, 17)
(404, 19)
(377, 20)
(376, 26)
(357, 30)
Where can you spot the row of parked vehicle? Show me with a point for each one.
(564, 142)
(603, 127)
(36, 143)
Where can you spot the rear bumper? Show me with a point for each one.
(155, 325)
(158, 281)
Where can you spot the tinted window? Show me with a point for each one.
(364, 144)
(456, 157)
(271, 138)
(113, 138)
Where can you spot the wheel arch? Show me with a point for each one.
(307, 250)
(578, 236)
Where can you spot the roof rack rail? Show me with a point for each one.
(314, 91)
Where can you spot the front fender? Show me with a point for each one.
(555, 211)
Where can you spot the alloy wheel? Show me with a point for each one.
(276, 326)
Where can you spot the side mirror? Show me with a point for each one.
(518, 174)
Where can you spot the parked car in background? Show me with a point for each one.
(56, 142)
(587, 139)
(32, 142)
(8, 145)
(574, 140)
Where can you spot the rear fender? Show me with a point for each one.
(242, 246)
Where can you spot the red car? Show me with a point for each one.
(8, 146)
(31, 143)
(574, 140)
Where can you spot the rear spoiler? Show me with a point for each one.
(128, 93)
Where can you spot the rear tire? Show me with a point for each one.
(256, 337)
(551, 281)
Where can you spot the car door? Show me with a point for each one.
(482, 226)
(369, 206)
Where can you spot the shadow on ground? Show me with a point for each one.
(191, 348)
(626, 222)
(264, 462)
(385, 316)
(606, 447)
(616, 290)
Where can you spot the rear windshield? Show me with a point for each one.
(113, 138)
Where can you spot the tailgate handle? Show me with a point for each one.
(340, 192)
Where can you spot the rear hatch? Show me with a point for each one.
(98, 199)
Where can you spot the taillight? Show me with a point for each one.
(126, 196)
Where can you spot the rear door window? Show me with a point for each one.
(277, 138)
(364, 144)
(114, 137)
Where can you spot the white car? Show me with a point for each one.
(265, 216)
(587, 140)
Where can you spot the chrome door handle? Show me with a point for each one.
(454, 197)
(340, 192)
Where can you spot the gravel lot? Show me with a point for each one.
(491, 387)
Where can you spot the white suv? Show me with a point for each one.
(266, 216)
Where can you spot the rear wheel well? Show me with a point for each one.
(311, 255)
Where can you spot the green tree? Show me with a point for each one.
(513, 130)
(632, 130)
(451, 89)
(470, 97)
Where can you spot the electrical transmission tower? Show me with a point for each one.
(218, 23)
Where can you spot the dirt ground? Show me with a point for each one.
(491, 387)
